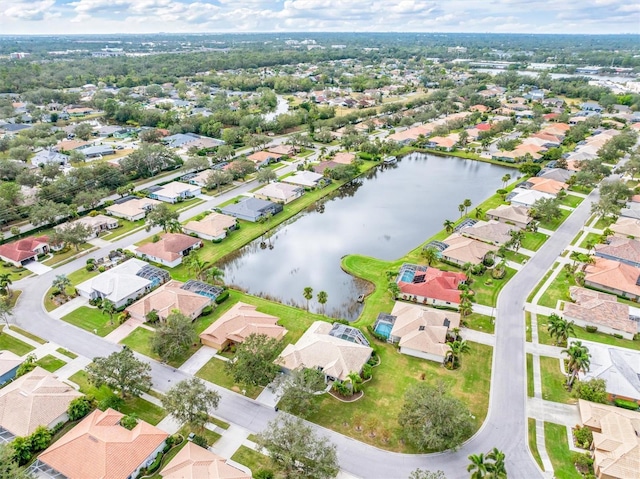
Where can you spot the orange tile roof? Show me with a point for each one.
(613, 275)
(195, 462)
(547, 185)
(168, 297)
(441, 285)
(343, 158)
(22, 249)
(170, 246)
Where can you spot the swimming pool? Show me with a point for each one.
(407, 276)
(384, 329)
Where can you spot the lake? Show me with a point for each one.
(384, 214)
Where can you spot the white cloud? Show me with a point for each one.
(27, 10)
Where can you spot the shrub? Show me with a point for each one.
(591, 329)
(129, 421)
(207, 310)
(626, 404)
(80, 407)
(583, 436)
(583, 462)
(102, 269)
(498, 273)
(617, 335)
(478, 269)
(378, 336)
(155, 465)
(90, 267)
(93, 213)
(113, 402)
(152, 316)
(366, 371)
(222, 298)
(200, 441)
(155, 238)
(264, 474)
(91, 260)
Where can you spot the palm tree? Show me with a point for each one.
(465, 308)
(5, 282)
(308, 295)
(355, 380)
(61, 282)
(322, 298)
(448, 226)
(461, 209)
(6, 310)
(394, 289)
(496, 469)
(517, 236)
(505, 179)
(456, 350)
(173, 226)
(467, 205)
(213, 275)
(560, 328)
(430, 254)
(109, 307)
(579, 360)
(478, 212)
(477, 468)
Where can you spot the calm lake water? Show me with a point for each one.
(384, 214)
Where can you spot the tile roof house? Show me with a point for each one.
(168, 297)
(432, 286)
(212, 227)
(343, 158)
(279, 192)
(491, 231)
(335, 357)
(195, 462)
(304, 178)
(526, 198)
(35, 399)
(461, 249)
(237, 324)
(9, 364)
(133, 209)
(285, 150)
(547, 185)
(100, 448)
(422, 332)
(624, 250)
(616, 440)
(632, 210)
(22, 251)
(49, 157)
(251, 209)
(625, 227)
(263, 158)
(557, 174)
(613, 277)
(175, 191)
(170, 249)
(619, 367)
(517, 216)
(96, 224)
(593, 308)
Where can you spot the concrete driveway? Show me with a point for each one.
(37, 268)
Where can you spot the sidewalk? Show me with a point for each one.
(478, 336)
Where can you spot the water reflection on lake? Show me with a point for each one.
(383, 214)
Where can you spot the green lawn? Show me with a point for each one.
(530, 386)
(557, 445)
(533, 442)
(384, 394)
(214, 371)
(527, 318)
(184, 205)
(554, 224)
(603, 223)
(140, 340)
(480, 322)
(252, 459)
(516, 257)
(67, 353)
(581, 333)
(553, 381)
(91, 319)
(125, 228)
(591, 237)
(14, 345)
(63, 257)
(16, 273)
(571, 200)
(558, 290)
(77, 277)
(27, 334)
(487, 288)
(50, 363)
(211, 436)
(542, 281)
(533, 241)
(142, 408)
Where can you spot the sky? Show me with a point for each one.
(211, 16)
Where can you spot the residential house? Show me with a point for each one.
(212, 227)
(35, 399)
(188, 140)
(619, 367)
(546, 185)
(9, 364)
(234, 326)
(195, 462)
(263, 158)
(446, 143)
(284, 150)
(624, 227)
(96, 224)
(170, 249)
(591, 106)
(461, 250)
(124, 283)
(492, 232)
(22, 251)
(304, 178)
(251, 209)
(517, 216)
(131, 208)
(421, 331)
(429, 285)
(613, 277)
(631, 211)
(282, 193)
(593, 308)
(616, 439)
(97, 151)
(343, 158)
(526, 198)
(168, 297)
(49, 157)
(624, 250)
(100, 448)
(200, 179)
(556, 174)
(174, 192)
(318, 349)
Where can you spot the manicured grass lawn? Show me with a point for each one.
(591, 237)
(553, 225)
(140, 340)
(14, 345)
(480, 322)
(530, 386)
(557, 445)
(27, 334)
(252, 459)
(542, 281)
(571, 200)
(142, 408)
(533, 442)
(603, 223)
(214, 371)
(184, 205)
(125, 228)
(16, 273)
(167, 458)
(61, 257)
(67, 353)
(533, 241)
(558, 290)
(210, 436)
(384, 394)
(553, 381)
(527, 318)
(487, 288)
(516, 257)
(91, 319)
(50, 363)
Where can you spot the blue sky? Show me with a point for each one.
(150, 16)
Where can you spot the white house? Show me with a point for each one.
(97, 224)
(174, 191)
(522, 197)
(309, 179)
(133, 209)
(212, 227)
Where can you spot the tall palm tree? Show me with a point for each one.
(456, 350)
(322, 298)
(579, 360)
(517, 236)
(5, 282)
(505, 179)
(461, 209)
(109, 307)
(213, 275)
(497, 469)
(355, 380)
(477, 468)
(467, 205)
(308, 295)
(478, 212)
(560, 328)
(430, 254)
(448, 226)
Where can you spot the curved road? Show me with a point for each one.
(504, 428)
